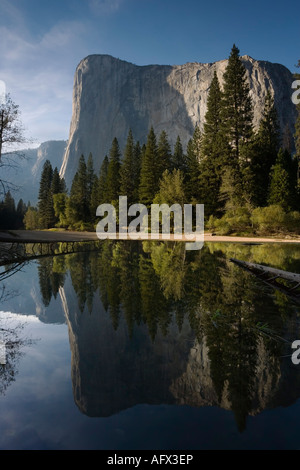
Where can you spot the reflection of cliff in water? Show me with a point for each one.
(149, 323)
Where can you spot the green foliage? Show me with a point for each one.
(231, 190)
(236, 112)
(60, 201)
(269, 219)
(260, 153)
(149, 179)
(113, 172)
(192, 173)
(238, 220)
(100, 191)
(171, 189)
(11, 217)
(274, 219)
(283, 182)
(77, 210)
(128, 180)
(164, 154)
(179, 161)
(45, 205)
(31, 219)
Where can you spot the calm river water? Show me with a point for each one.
(141, 345)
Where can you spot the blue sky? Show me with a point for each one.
(42, 42)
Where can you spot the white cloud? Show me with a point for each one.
(39, 75)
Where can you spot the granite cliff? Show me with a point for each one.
(111, 96)
(25, 174)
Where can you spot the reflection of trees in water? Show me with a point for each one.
(51, 272)
(10, 330)
(152, 282)
(11, 336)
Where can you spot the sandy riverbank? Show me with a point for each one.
(39, 236)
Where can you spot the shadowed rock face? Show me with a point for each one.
(111, 96)
(26, 174)
(113, 371)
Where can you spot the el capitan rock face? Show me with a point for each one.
(111, 96)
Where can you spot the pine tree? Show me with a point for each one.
(237, 112)
(113, 172)
(192, 174)
(287, 139)
(102, 182)
(20, 213)
(90, 174)
(83, 194)
(56, 182)
(179, 159)
(231, 190)
(213, 152)
(213, 143)
(283, 182)
(45, 203)
(78, 204)
(137, 170)
(149, 182)
(127, 171)
(164, 154)
(8, 213)
(95, 199)
(259, 155)
(279, 192)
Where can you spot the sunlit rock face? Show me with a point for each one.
(112, 96)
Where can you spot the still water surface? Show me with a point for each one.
(146, 346)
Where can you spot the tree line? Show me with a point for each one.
(244, 177)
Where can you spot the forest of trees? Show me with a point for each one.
(12, 215)
(247, 179)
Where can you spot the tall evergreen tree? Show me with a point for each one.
(78, 204)
(179, 158)
(20, 213)
(214, 151)
(95, 199)
(149, 181)
(102, 184)
(237, 112)
(127, 171)
(56, 182)
(287, 139)
(137, 170)
(8, 219)
(164, 154)
(259, 155)
(90, 174)
(213, 142)
(45, 203)
(113, 172)
(283, 183)
(192, 174)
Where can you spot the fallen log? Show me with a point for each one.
(270, 276)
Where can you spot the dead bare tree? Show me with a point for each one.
(11, 136)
